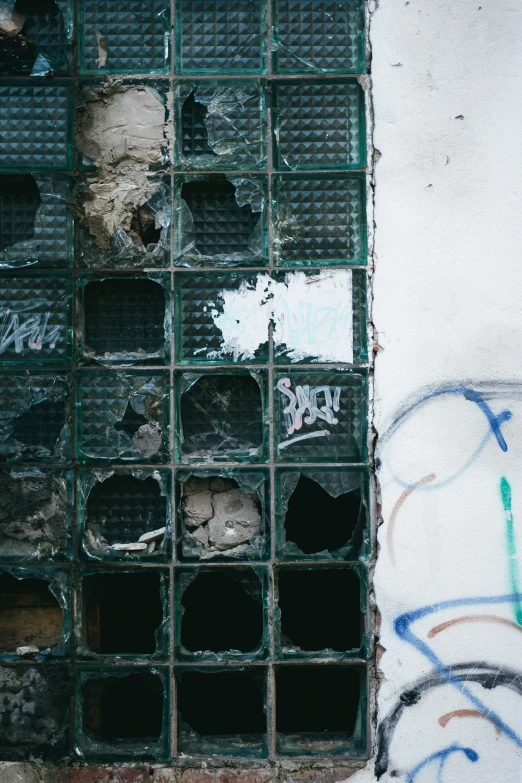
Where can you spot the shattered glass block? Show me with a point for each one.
(220, 221)
(220, 125)
(322, 514)
(37, 38)
(35, 319)
(319, 125)
(319, 36)
(223, 515)
(36, 126)
(35, 417)
(125, 320)
(319, 220)
(320, 416)
(221, 36)
(122, 713)
(221, 417)
(125, 515)
(130, 37)
(35, 514)
(123, 415)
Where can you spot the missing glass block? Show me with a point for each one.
(222, 712)
(34, 37)
(19, 202)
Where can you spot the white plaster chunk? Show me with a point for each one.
(11, 22)
(132, 547)
(153, 535)
(27, 649)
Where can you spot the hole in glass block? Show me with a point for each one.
(131, 421)
(32, 38)
(143, 224)
(39, 427)
(124, 709)
(19, 203)
(194, 130)
(222, 611)
(122, 612)
(124, 316)
(316, 521)
(29, 614)
(320, 609)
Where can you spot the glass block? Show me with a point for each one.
(321, 710)
(35, 614)
(36, 319)
(121, 507)
(130, 37)
(35, 514)
(319, 36)
(36, 225)
(221, 417)
(123, 614)
(222, 711)
(123, 416)
(122, 713)
(34, 712)
(40, 41)
(221, 614)
(220, 221)
(35, 417)
(221, 125)
(319, 124)
(319, 220)
(221, 36)
(125, 320)
(36, 126)
(327, 410)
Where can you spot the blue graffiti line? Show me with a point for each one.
(441, 756)
(402, 627)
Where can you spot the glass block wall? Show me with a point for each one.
(185, 530)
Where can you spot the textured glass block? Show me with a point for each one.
(125, 320)
(221, 36)
(121, 507)
(220, 221)
(40, 42)
(319, 36)
(319, 220)
(36, 509)
(35, 417)
(35, 319)
(320, 416)
(124, 37)
(35, 126)
(319, 125)
(123, 416)
(221, 125)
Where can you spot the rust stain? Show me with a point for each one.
(396, 508)
(473, 618)
(444, 719)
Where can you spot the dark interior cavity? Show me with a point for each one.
(143, 228)
(194, 130)
(42, 33)
(29, 614)
(19, 202)
(131, 421)
(39, 427)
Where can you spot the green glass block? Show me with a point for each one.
(221, 417)
(35, 514)
(36, 126)
(319, 220)
(221, 614)
(319, 125)
(322, 514)
(319, 36)
(320, 415)
(35, 712)
(35, 417)
(221, 36)
(221, 125)
(123, 416)
(130, 37)
(220, 221)
(35, 319)
(121, 506)
(109, 725)
(125, 320)
(206, 727)
(43, 44)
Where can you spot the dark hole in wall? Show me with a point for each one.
(194, 130)
(221, 226)
(19, 202)
(124, 316)
(131, 421)
(29, 614)
(123, 709)
(220, 614)
(122, 612)
(42, 33)
(143, 229)
(123, 507)
(316, 521)
(320, 608)
(39, 427)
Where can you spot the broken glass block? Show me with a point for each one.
(35, 37)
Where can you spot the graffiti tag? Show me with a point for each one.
(304, 407)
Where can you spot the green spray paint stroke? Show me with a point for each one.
(505, 494)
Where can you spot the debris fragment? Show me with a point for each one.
(103, 50)
(134, 547)
(154, 535)
(27, 649)
(11, 22)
